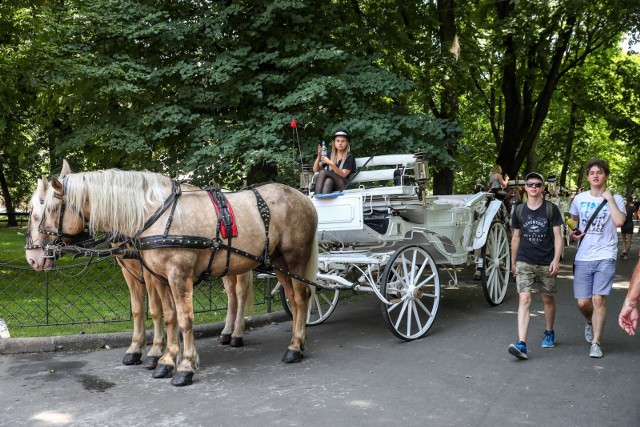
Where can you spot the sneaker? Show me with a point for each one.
(549, 340)
(519, 350)
(623, 255)
(596, 351)
(588, 332)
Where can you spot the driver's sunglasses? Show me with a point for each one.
(534, 184)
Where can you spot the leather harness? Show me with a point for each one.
(225, 228)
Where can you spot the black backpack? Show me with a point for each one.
(548, 207)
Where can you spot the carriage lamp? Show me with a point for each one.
(421, 176)
(306, 177)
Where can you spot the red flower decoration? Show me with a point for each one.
(293, 123)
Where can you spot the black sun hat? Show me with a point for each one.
(341, 132)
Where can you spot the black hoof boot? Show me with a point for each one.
(292, 356)
(132, 359)
(162, 371)
(151, 362)
(237, 342)
(182, 378)
(225, 339)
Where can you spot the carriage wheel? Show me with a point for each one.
(497, 264)
(411, 284)
(321, 305)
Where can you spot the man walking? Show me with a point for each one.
(536, 247)
(600, 213)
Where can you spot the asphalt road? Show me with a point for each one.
(355, 373)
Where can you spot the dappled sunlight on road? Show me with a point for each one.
(52, 418)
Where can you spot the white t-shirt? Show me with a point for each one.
(601, 241)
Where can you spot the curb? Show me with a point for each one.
(92, 342)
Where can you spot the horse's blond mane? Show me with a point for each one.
(119, 200)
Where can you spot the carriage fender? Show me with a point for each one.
(484, 224)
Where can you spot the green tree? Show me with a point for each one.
(211, 88)
(534, 45)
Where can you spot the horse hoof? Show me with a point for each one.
(182, 378)
(132, 359)
(151, 362)
(292, 356)
(162, 371)
(225, 339)
(237, 342)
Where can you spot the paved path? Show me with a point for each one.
(355, 373)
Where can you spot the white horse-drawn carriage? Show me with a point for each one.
(390, 240)
(385, 239)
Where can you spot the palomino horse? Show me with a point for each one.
(176, 228)
(239, 294)
(137, 281)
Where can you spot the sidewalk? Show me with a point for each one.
(356, 373)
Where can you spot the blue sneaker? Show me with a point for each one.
(519, 350)
(549, 340)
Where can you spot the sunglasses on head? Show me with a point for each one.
(534, 184)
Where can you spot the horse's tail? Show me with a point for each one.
(312, 266)
(248, 302)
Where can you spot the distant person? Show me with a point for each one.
(627, 228)
(334, 170)
(536, 247)
(479, 187)
(595, 260)
(497, 183)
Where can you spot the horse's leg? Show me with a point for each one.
(182, 290)
(136, 295)
(232, 308)
(244, 298)
(155, 309)
(298, 296)
(167, 362)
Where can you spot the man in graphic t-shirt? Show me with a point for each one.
(595, 262)
(536, 247)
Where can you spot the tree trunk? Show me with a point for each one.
(568, 149)
(443, 177)
(6, 196)
(526, 108)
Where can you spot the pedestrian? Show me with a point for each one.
(627, 228)
(628, 318)
(536, 247)
(598, 213)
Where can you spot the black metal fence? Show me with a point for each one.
(91, 292)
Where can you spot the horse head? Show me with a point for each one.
(48, 224)
(36, 256)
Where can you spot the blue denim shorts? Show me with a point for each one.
(593, 278)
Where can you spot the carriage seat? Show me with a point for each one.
(385, 168)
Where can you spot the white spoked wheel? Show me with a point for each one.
(411, 284)
(497, 264)
(322, 303)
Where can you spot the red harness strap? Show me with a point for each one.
(228, 218)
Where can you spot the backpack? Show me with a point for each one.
(548, 208)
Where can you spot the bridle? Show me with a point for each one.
(29, 244)
(58, 232)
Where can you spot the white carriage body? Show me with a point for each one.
(385, 239)
(378, 218)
